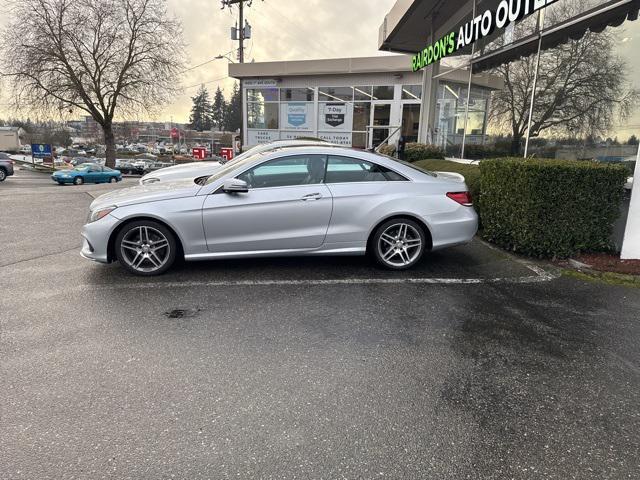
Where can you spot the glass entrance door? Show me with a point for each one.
(380, 117)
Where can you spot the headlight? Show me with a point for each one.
(98, 214)
(146, 181)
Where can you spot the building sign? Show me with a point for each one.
(337, 138)
(335, 116)
(256, 137)
(507, 12)
(259, 82)
(297, 116)
(40, 150)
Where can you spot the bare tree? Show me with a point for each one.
(582, 88)
(107, 58)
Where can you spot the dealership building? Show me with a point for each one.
(451, 60)
(357, 102)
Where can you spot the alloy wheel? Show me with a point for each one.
(399, 245)
(145, 249)
(3, 175)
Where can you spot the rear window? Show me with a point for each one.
(347, 170)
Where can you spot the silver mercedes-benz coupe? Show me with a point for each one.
(313, 200)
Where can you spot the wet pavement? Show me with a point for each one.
(473, 365)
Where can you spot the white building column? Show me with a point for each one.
(631, 242)
(426, 132)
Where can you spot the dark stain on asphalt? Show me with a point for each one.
(182, 313)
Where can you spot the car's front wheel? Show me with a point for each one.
(398, 243)
(113, 180)
(146, 248)
(78, 181)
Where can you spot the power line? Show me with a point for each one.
(206, 83)
(203, 63)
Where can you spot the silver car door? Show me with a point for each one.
(359, 189)
(287, 207)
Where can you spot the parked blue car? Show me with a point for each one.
(87, 173)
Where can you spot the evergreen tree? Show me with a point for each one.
(200, 118)
(219, 110)
(233, 117)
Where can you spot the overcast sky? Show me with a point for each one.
(282, 30)
(298, 30)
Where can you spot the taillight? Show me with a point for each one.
(463, 198)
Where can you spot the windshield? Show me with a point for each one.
(230, 166)
(82, 167)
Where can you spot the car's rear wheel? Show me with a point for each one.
(78, 181)
(3, 175)
(146, 248)
(398, 243)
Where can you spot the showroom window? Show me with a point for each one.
(383, 93)
(263, 95)
(263, 108)
(411, 92)
(297, 94)
(332, 94)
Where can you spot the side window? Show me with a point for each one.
(287, 171)
(346, 170)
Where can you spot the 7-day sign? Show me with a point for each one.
(334, 114)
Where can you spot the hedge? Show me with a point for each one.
(422, 151)
(550, 208)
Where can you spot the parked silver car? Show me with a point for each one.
(292, 201)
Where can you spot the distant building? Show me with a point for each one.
(11, 138)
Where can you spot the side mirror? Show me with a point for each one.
(234, 185)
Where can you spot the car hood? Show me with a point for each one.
(187, 170)
(146, 193)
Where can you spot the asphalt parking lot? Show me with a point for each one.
(473, 365)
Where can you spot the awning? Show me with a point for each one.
(610, 14)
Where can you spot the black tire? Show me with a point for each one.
(61, 184)
(130, 229)
(402, 255)
(3, 174)
(78, 181)
(113, 180)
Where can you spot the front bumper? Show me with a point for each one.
(95, 235)
(62, 179)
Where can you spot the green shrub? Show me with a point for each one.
(478, 152)
(422, 151)
(387, 149)
(550, 208)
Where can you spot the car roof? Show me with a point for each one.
(339, 150)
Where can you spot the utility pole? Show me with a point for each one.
(240, 32)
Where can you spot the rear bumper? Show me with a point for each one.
(455, 228)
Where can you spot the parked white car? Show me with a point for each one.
(195, 170)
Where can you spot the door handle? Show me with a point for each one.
(312, 196)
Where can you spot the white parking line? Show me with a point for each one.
(541, 275)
